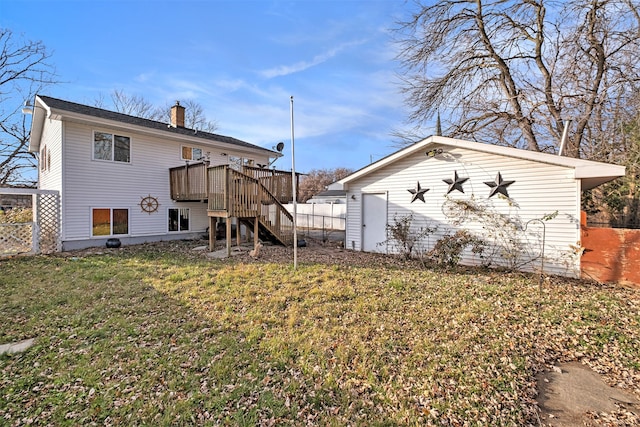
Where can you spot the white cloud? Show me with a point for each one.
(285, 70)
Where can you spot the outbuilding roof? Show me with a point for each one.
(591, 173)
(46, 106)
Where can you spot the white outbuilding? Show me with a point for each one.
(520, 208)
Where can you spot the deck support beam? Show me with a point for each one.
(238, 232)
(256, 230)
(213, 226)
(228, 235)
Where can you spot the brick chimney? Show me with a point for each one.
(177, 115)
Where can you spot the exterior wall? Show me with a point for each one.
(539, 190)
(86, 183)
(51, 178)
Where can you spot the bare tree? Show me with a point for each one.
(196, 119)
(618, 202)
(134, 105)
(23, 71)
(138, 106)
(513, 71)
(317, 181)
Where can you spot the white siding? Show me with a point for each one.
(51, 179)
(86, 183)
(539, 189)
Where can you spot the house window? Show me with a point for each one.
(235, 163)
(44, 159)
(110, 147)
(179, 219)
(108, 222)
(191, 153)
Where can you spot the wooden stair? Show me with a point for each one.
(250, 195)
(234, 194)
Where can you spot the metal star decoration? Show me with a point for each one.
(455, 183)
(499, 186)
(418, 192)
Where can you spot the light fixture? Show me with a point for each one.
(28, 108)
(434, 152)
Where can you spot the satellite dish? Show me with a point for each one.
(280, 147)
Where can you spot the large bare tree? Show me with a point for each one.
(618, 202)
(514, 71)
(24, 69)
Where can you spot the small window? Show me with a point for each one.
(44, 158)
(179, 219)
(110, 147)
(108, 222)
(191, 153)
(235, 163)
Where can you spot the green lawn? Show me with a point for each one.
(155, 335)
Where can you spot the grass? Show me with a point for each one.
(150, 336)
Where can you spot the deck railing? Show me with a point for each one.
(192, 182)
(278, 182)
(188, 182)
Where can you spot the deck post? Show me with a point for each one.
(213, 222)
(228, 235)
(238, 232)
(255, 231)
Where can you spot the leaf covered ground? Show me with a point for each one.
(159, 334)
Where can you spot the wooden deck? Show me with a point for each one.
(253, 196)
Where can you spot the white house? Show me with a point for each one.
(112, 172)
(521, 204)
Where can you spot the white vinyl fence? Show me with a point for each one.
(319, 216)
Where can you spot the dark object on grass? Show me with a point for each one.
(114, 243)
(302, 243)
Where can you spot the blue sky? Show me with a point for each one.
(241, 60)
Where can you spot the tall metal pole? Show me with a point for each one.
(294, 185)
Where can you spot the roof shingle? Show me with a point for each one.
(73, 107)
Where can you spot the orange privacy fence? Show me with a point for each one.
(611, 255)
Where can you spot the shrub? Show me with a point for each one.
(448, 250)
(405, 237)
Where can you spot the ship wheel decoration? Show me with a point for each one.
(149, 204)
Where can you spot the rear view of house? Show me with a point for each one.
(140, 180)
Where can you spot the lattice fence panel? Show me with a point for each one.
(48, 218)
(16, 238)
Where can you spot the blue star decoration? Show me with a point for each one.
(455, 183)
(418, 192)
(499, 186)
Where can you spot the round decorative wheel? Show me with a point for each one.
(149, 204)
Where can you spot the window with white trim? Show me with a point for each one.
(191, 153)
(109, 222)
(235, 163)
(45, 159)
(178, 219)
(111, 147)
